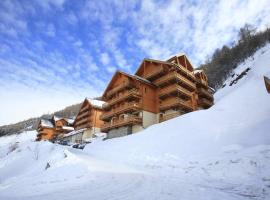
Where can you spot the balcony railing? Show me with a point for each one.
(128, 120)
(204, 92)
(121, 97)
(82, 115)
(175, 102)
(83, 121)
(178, 77)
(121, 109)
(119, 88)
(84, 109)
(185, 71)
(202, 82)
(205, 103)
(174, 88)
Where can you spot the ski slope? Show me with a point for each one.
(219, 153)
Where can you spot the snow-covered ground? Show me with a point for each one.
(219, 153)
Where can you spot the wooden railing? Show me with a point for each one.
(205, 92)
(177, 76)
(80, 116)
(205, 102)
(133, 92)
(85, 108)
(119, 88)
(185, 71)
(121, 109)
(167, 104)
(172, 88)
(84, 120)
(202, 82)
(121, 122)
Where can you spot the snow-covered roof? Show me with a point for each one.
(74, 132)
(68, 128)
(95, 103)
(198, 71)
(46, 123)
(56, 118)
(69, 120)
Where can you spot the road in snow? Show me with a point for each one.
(219, 153)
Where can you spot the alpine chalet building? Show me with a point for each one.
(159, 91)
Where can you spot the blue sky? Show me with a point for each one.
(54, 53)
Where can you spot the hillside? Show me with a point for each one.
(219, 153)
(226, 59)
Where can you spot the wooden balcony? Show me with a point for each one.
(174, 76)
(128, 94)
(119, 88)
(185, 71)
(205, 93)
(173, 89)
(82, 115)
(166, 117)
(205, 103)
(129, 120)
(175, 103)
(202, 82)
(84, 109)
(131, 106)
(83, 121)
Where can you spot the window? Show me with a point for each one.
(145, 90)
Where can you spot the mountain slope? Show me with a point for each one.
(219, 153)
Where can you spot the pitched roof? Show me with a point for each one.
(151, 60)
(176, 55)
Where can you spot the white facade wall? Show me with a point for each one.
(149, 118)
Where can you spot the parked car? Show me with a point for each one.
(79, 146)
(63, 142)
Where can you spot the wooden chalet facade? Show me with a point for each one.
(159, 90)
(46, 130)
(88, 118)
(130, 105)
(53, 128)
(205, 97)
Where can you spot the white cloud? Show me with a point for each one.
(104, 58)
(198, 28)
(50, 30)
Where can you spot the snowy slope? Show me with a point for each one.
(219, 153)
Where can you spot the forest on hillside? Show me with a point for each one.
(225, 59)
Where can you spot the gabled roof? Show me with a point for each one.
(180, 55)
(176, 55)
(134, 77)
(153, 61)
